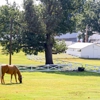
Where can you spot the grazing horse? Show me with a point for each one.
(10, 69)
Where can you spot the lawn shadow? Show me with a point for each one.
(78, 58)
(91, 58)
(74, 73)
(11, 84)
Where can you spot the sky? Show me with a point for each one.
(3, 2)
(18, 2)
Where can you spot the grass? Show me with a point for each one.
(18, 58)
(21, 58)
(53, 86)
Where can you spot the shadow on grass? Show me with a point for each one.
(74, 73)
(11, 84)
(90, 58)
(79, 58)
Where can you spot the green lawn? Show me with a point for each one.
(53, 86)
(21, 58)
(18, 58)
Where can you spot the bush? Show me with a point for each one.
(59, 47)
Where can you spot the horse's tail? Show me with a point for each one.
(0, 71)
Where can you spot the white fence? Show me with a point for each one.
(64, 66)
(58, 66)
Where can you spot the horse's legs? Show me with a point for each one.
(15, 78)
(11, 78)
(2, 79)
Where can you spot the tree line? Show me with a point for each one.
(33, 29)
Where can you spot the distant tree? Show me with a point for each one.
(10, 29)
(90, 16)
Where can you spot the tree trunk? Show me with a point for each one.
(48, 54)
(48, 51)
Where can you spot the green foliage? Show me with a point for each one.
(34, 28)
(32, 18)
(89, 16)
(32, 39)
(56, 16)
(70, 9)
(52, 15)
(59, 47)
(32, 43)
(51, 18)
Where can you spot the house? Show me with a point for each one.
(68, 37)
(84, 50)
(95, 38)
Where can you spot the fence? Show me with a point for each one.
(58, 66)
(64, 66)
(61, 66)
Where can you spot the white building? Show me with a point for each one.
(84, 50)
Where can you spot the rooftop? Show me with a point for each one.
(67, 36)
(95, 36)
(79, 45)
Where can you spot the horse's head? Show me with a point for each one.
(20, 79)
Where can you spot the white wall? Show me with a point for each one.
(96, 51)
(87, 52)
(73, 52)
(92, 51)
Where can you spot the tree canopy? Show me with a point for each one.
(39, 24)
(56, 17)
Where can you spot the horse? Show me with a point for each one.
(10, 69)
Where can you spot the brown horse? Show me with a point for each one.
(10, 69)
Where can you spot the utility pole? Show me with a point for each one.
(86, 34)
(10, 42)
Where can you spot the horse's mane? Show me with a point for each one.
(18, 72)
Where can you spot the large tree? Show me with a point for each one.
(55, 16)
